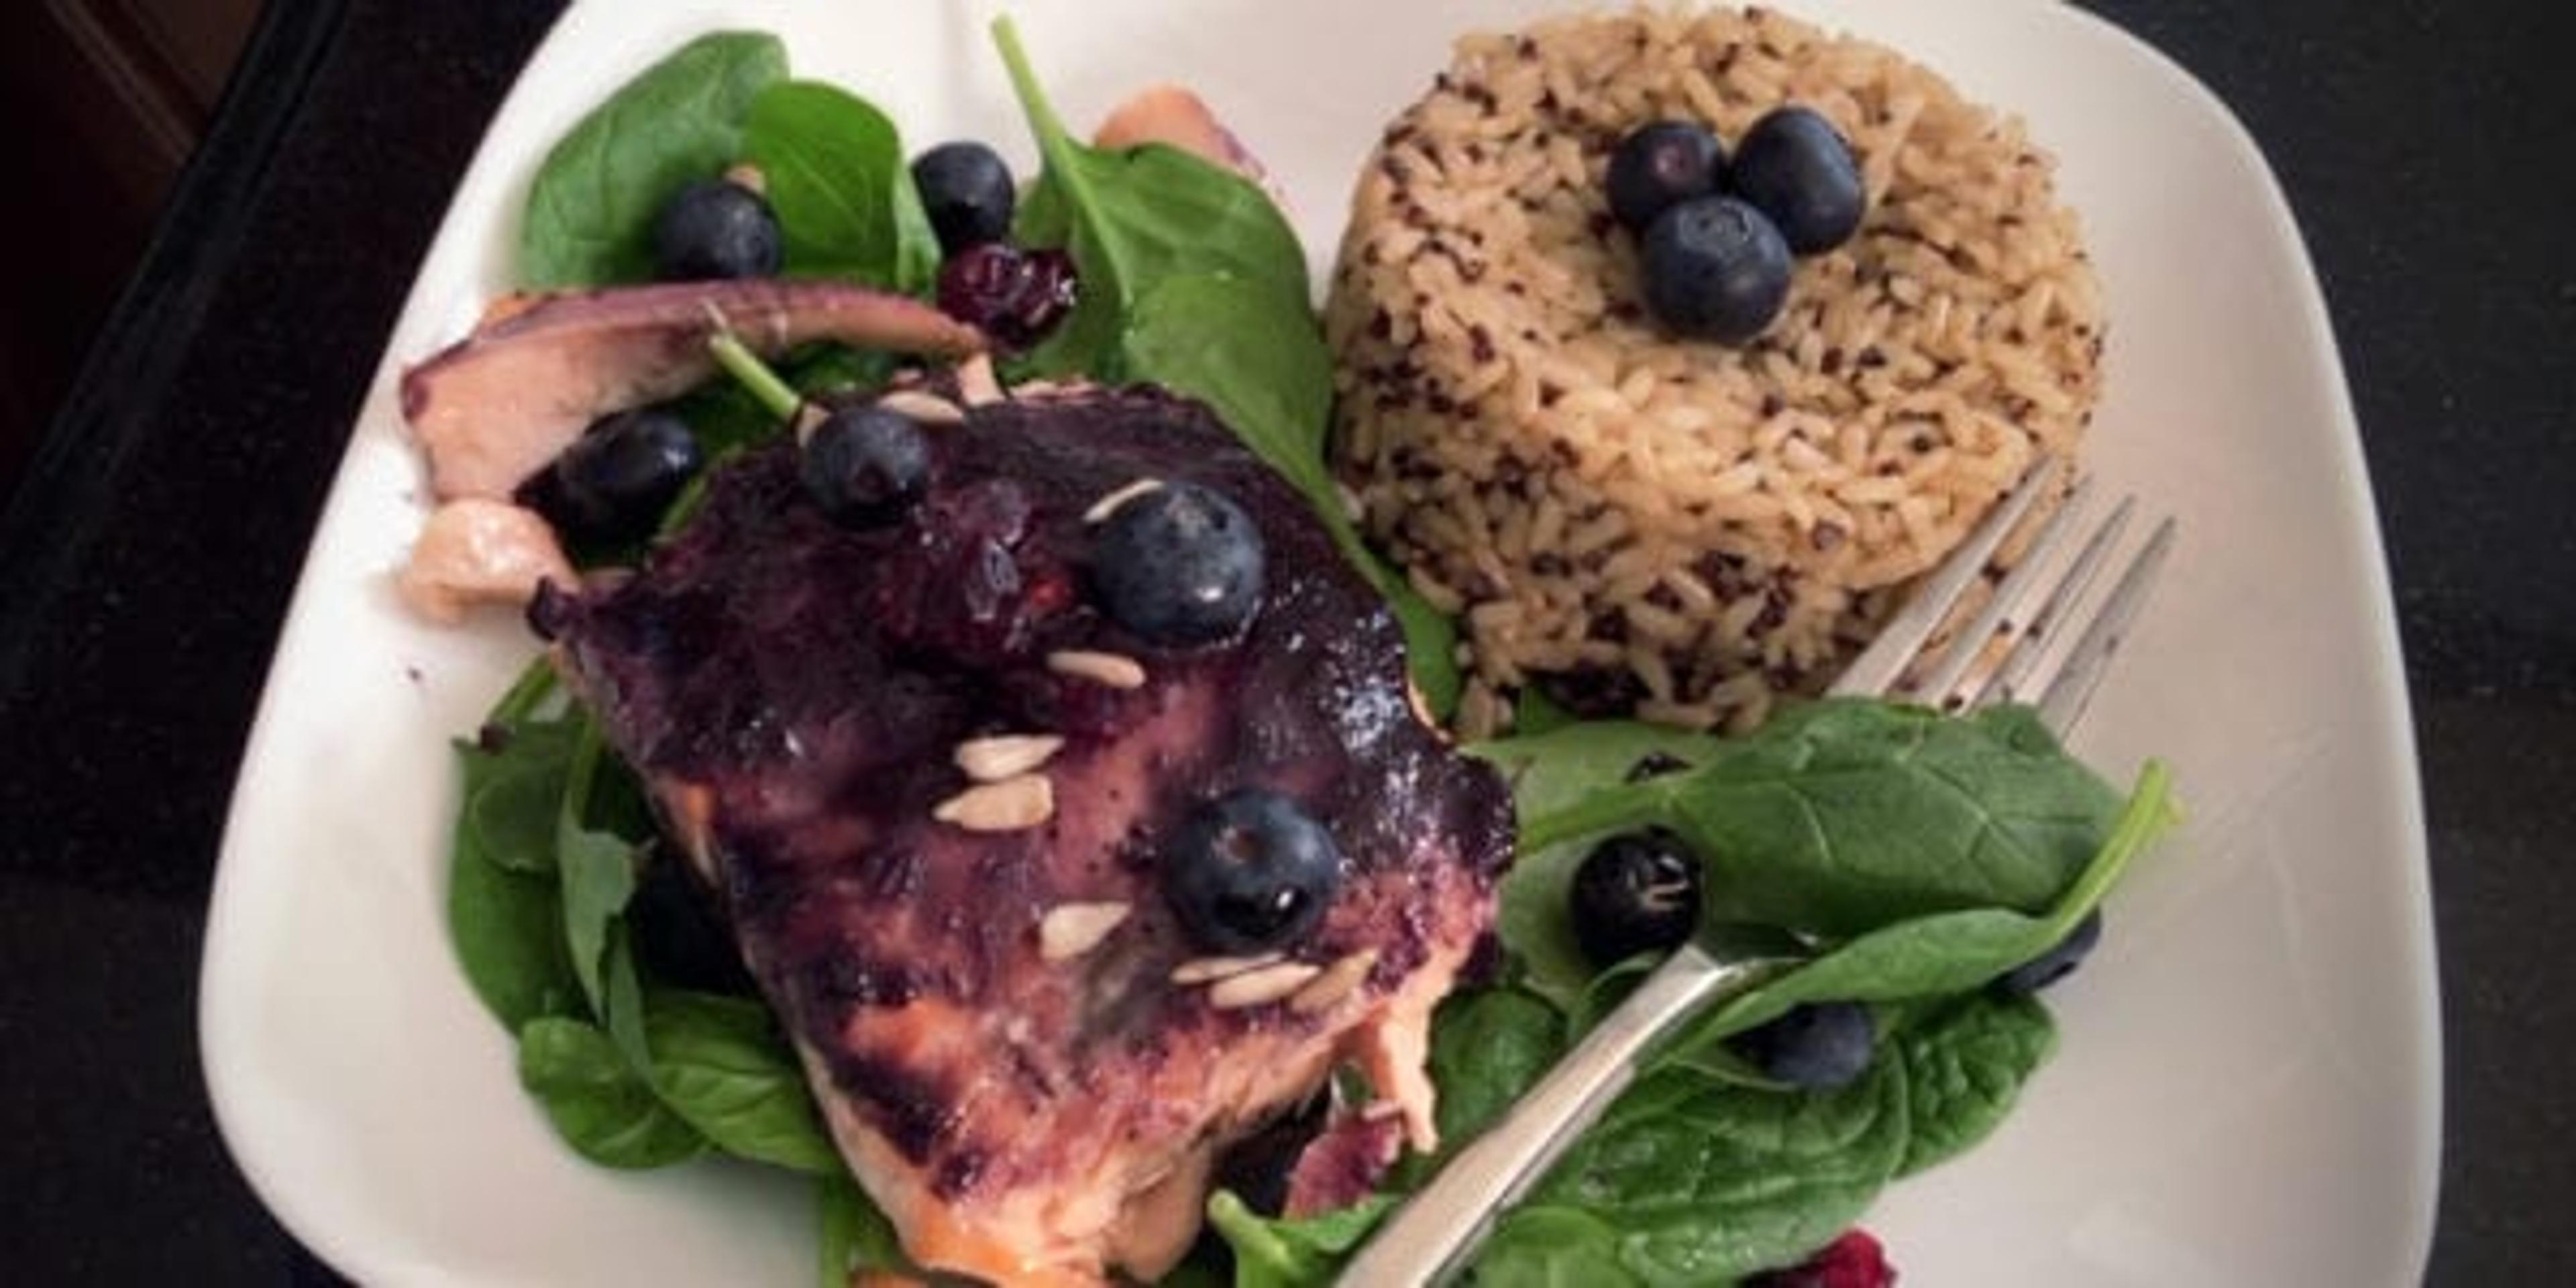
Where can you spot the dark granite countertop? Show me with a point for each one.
(145, 569)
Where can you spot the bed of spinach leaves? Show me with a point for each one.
(1702, 1172)
(1918, 856)
(551, 836)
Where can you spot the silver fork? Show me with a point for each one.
(1432, 1233)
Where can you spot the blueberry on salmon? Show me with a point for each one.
(1180, 565)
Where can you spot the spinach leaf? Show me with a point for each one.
(507, 927)
(856, 1235)
(596, 1101)
(597, 867)
(632, 1076)
(1842, 816)
(1263, 367)
(512, 793)
(836, 176)
(1945, 953)
(1287, 1253)
(1534, 713)
(1133, 218)
(1553, 772)
(503, 914)
(1551, 1248)
(601, 825)
(721, 1064)
(1964, 1065)
(591, 207)
(1690, 1180)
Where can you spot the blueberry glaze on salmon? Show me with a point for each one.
(1024, 1055)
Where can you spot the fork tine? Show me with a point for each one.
(1874, 672)
(2010, 677)
(1971, 641)
(2090, 659)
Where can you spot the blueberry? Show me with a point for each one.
(1012, 295)
(1249, 872)
(865, 464)
(613, 483)
(2055, 964)
(1715, 268)
(967, 190)
(1817, 1047)
(1634, 894)
(1660, 165)
(1180, 565)
(716, 229)
(1797, 169)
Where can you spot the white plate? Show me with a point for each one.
(2248, 1088)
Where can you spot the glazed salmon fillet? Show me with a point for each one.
(1023, 1054)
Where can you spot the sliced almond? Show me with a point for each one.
(1260, 987)
(1108, 505)
(1069, 930)
(1199, 970)
(809, 417)
(990, 760)
(1421, 705)
(976, 383)
(923, 407)
(1042, 390)
(1007, 806)
(1335, 983)
(1115, 670)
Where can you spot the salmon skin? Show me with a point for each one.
(1021, 1054)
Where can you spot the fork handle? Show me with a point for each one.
(1431, 1233)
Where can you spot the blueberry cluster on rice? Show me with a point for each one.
(1635, 521)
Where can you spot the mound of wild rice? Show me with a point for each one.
(1638, 522)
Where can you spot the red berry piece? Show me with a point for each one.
(1015, 296)
(1853, 1261)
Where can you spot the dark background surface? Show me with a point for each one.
(145, 566)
